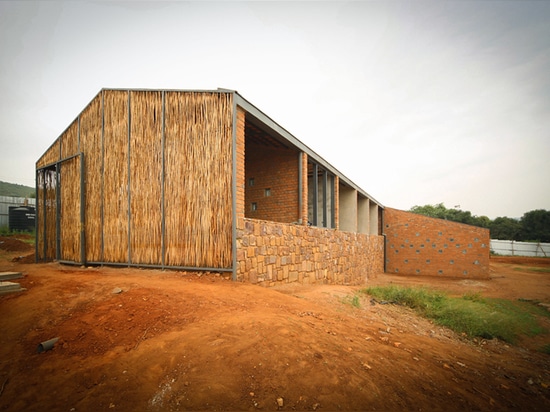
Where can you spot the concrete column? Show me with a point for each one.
(363, 204)
(348, 209)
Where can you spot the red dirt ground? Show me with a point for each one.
(186, 341)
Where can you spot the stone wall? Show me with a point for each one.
(269, 253)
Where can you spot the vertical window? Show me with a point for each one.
(320, 196)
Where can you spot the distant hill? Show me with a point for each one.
(13, 189)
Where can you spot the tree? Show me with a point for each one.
(482, 221)
(441, 212)
(505, 228)
(535, 225)
(438, 211)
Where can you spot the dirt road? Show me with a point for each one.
(172, 341)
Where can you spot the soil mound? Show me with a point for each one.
(12, 244)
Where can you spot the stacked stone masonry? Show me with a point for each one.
(270, 253)
(420, 245)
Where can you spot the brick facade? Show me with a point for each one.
(420, 245)
(269, 253)
(274, 170)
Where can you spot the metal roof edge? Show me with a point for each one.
(131, 89)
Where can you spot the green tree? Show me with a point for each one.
(482, 221)
(505, 228)
(438, 211)
(441, 212)
(535, 225)
(461, 216)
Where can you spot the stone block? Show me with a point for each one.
(293, 276)
(285, 272)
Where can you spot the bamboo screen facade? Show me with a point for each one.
(140, 178)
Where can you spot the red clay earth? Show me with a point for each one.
(174, 341)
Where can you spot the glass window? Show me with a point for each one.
(320, 196)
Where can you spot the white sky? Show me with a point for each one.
(417, 102)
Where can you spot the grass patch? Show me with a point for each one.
(26, 237)
(29, 240)
(352, 300)
(471, 314)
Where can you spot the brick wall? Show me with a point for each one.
(275, 169)
(420, 245)
(269, 253)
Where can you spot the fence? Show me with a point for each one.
(513, 248)
(6, 202)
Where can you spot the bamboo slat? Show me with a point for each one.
(40, 193)
(50, 156)
(91, 146)
(115, 177)
(46, 232)
(198, 170)
(69, 140)
(146, 177)
(70, 224)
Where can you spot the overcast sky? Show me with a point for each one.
(417, 102)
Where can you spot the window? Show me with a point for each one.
(254, 206)
(320, 196)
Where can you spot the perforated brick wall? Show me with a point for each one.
(420, 245)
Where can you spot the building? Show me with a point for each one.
(201, 180)
(17, 213)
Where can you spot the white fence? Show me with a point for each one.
(513, 248)
(6, 202)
